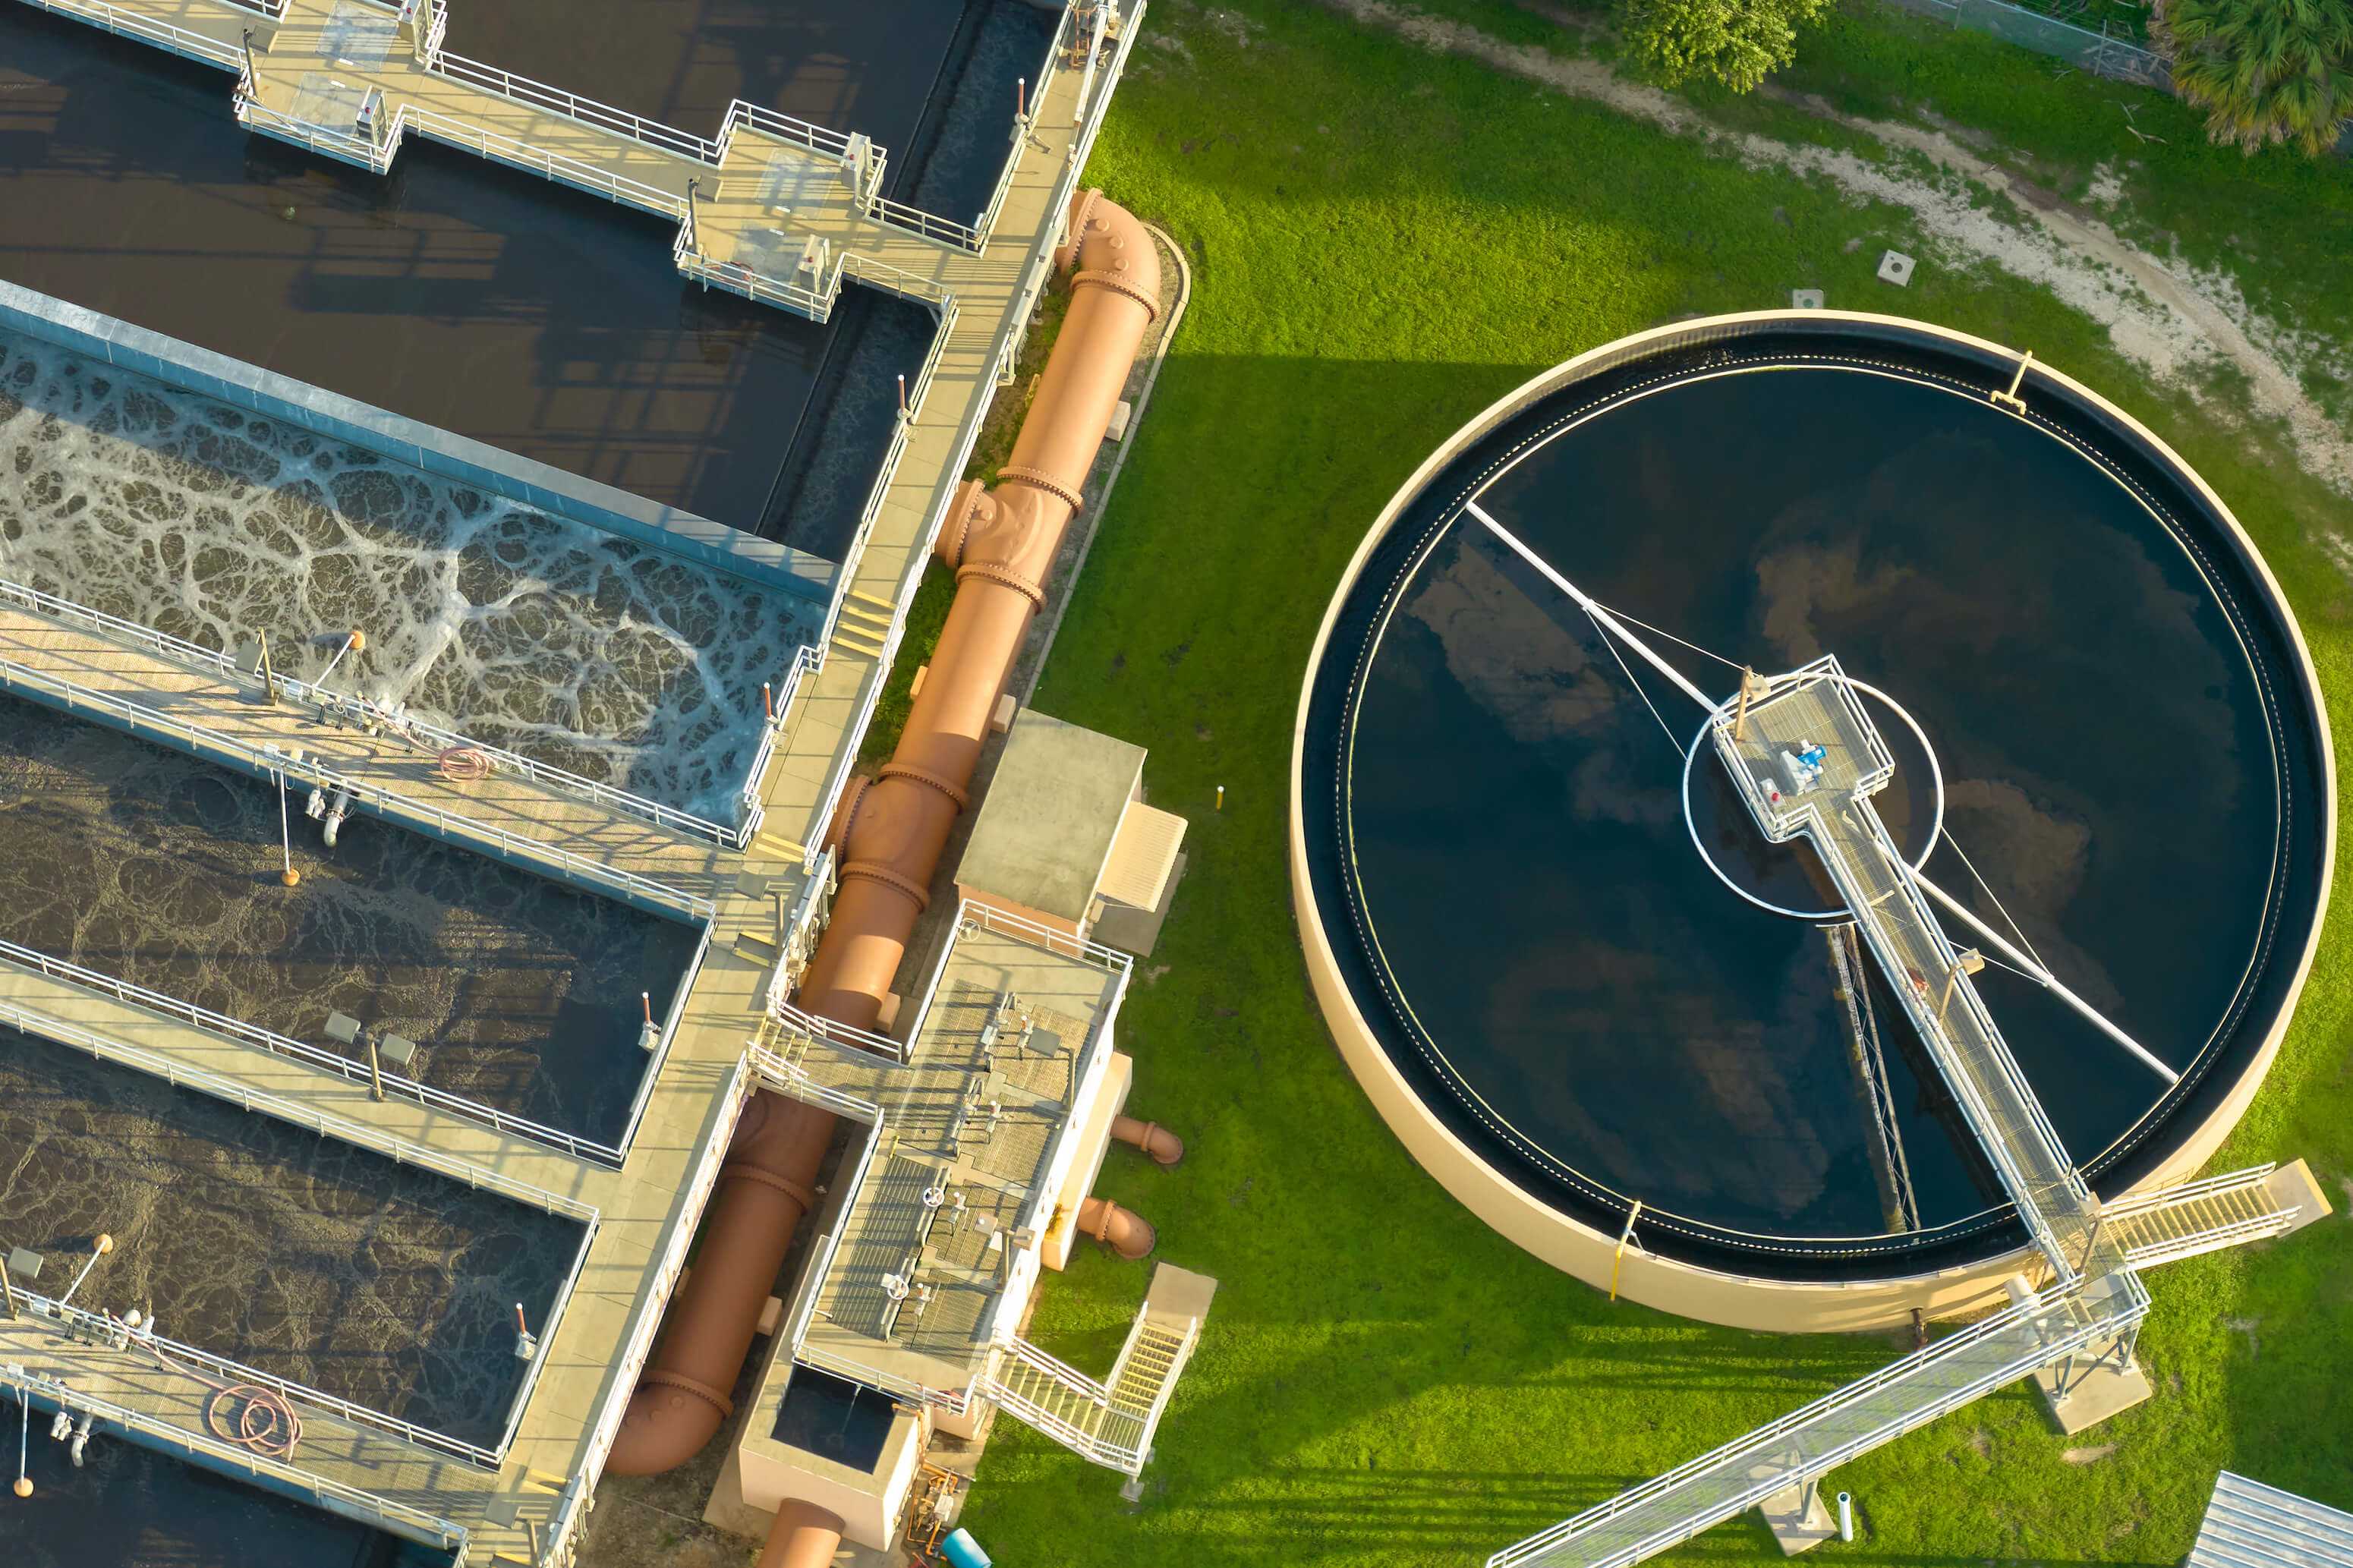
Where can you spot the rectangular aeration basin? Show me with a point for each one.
(455, 295)
(303, 1257)
(162, 870)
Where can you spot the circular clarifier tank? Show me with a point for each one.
(1571, 971)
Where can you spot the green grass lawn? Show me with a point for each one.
(1383, 241)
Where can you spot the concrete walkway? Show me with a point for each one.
(758, 198)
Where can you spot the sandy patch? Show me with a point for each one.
(2179, 323)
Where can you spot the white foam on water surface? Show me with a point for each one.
(572, 646)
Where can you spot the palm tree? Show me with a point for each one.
(2264, 71)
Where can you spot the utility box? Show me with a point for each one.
(1064, 839)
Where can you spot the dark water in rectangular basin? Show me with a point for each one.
(495, 304)
(930, 82)
(159, 869)
(130, 1507)
(298, 1256)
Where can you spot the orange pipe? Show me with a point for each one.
(804, 1536)
(766, 1184)
(1001, 542)
(1124, 1231)
(1164, 1146)
(891, 831)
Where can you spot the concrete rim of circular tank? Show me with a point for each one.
(1567, 1244)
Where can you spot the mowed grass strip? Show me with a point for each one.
(1384, 240)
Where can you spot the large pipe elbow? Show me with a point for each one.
(1105, 245)
(662, 1430)
(764, 1189)
(1164, 1147)
(1124, 1231)
(804, 1536)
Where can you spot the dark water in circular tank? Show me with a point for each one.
(1500, 844)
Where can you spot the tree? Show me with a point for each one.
(2264, 71)
(1737, 42)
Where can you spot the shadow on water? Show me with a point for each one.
(1623, 1026)
(156, 868)
(130, 1507)
(300, 1256)
(477, 299)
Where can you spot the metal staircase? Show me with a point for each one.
(1109, 1425)
(2201, 1216)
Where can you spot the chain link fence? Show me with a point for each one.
(2100, 53)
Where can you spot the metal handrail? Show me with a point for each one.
(1010, 327)
(2026, 1190)
(2059, 1174)
(554, 1318)
(147, 29)
(342, 707)
(1063, 1430)
(798, 1082)
(326, 1124)
(955, 1401)
(895, 279)
(784, 128)
(816, 303)
(497, 146)
(397, 1516)
(2164, 1197)
(849, 1036)
(1061, 1371)
(571, 106)
(2171, 1249)
(269, 1040)
(805, 661)
(671, 1017)
(885, 475)
(811, 1284)
(1061, 943)
(2090, 1326)
(449, 823)
(100, 1328)
(647, 1316)
(1065, 34)
(907, 219)
(1167, 1385)
(505, 149)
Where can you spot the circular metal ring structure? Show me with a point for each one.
(1919, 861)
(2118, 736)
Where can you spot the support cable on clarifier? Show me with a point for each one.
(1684, 642)
(2011, 921)
(1608, 642)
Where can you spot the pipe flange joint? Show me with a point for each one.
(1004, 576)
(929, 780)
(1039, 479)
(1120, 283)
(695, 1387)
(800, 1192)
(870, 871)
